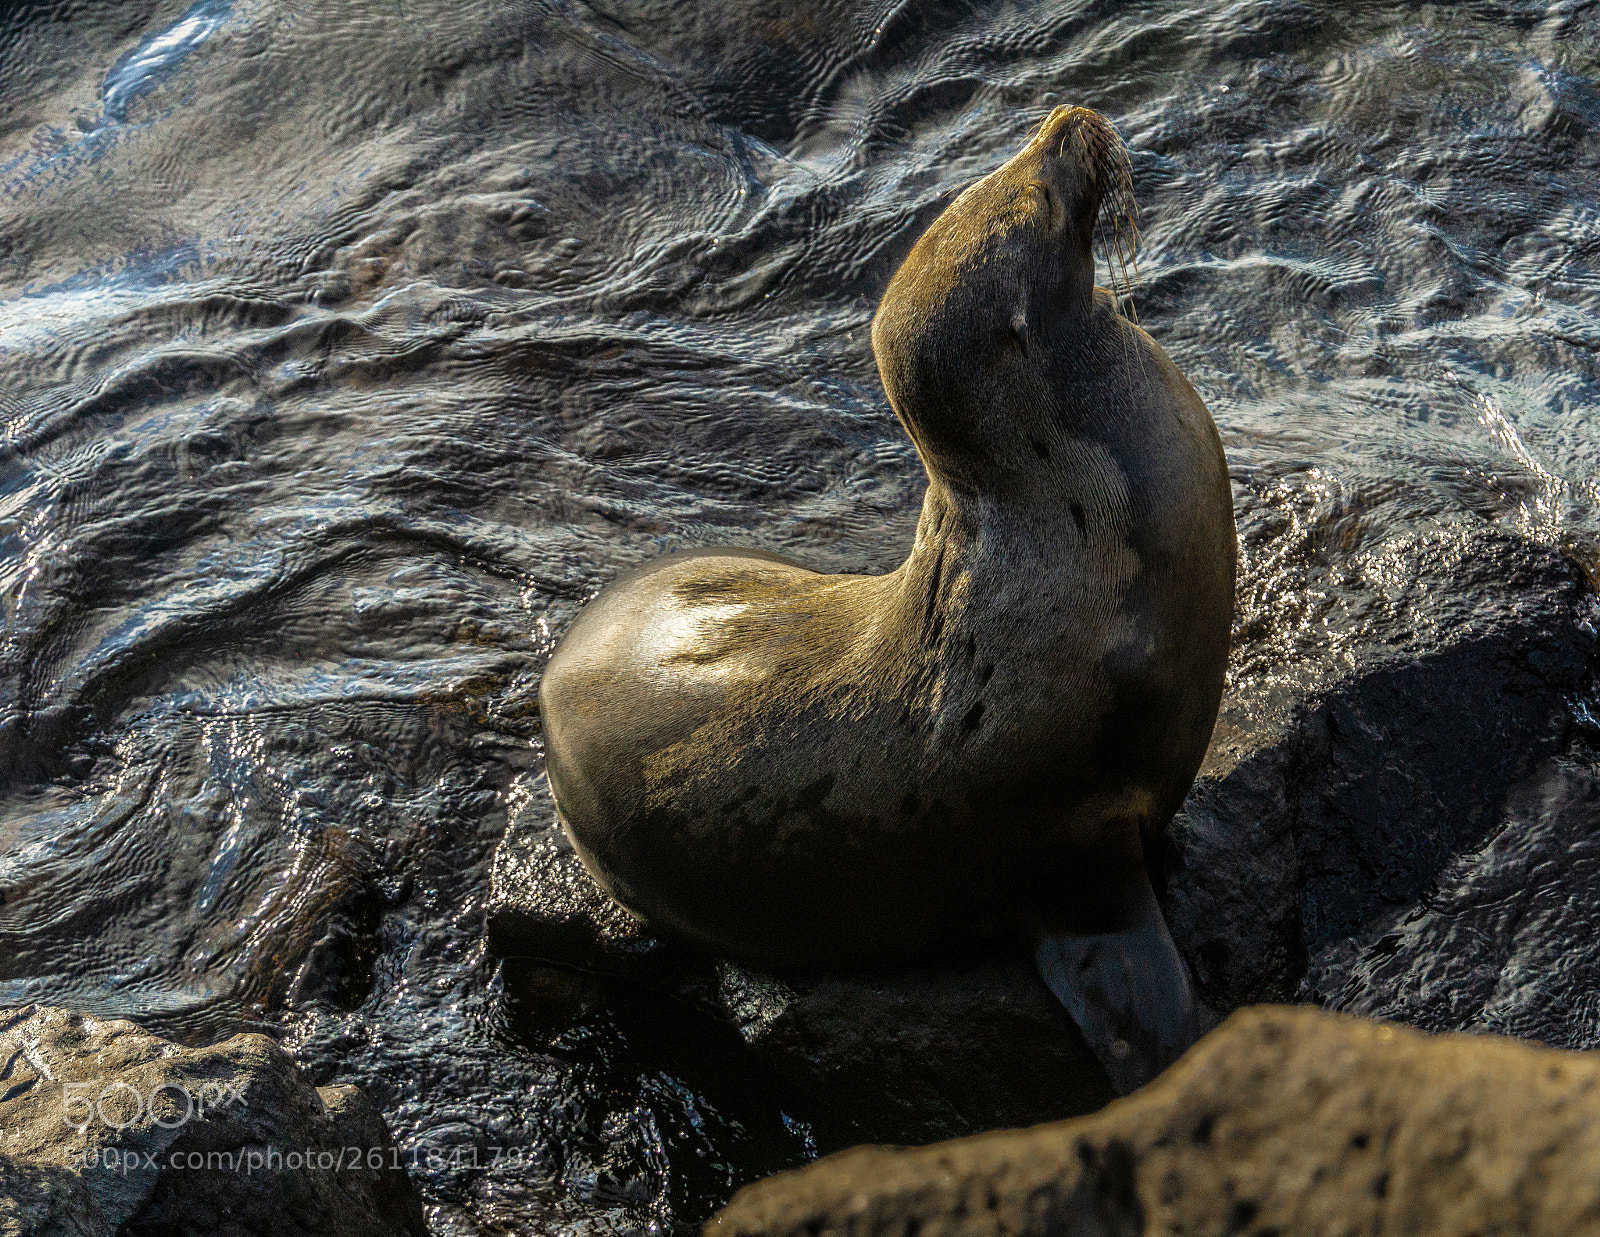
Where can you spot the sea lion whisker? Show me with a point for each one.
(961, 188)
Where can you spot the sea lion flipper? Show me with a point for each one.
(1128, 992)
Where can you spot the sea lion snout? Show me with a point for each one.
(1083, 160)
(1089, 129)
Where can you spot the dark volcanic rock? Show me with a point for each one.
(1280, 1121)
(42, 1200)
(1506, 939)
(107, 1129)
(1339, 791)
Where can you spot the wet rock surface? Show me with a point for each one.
(1346, 795)
(108, 1129)
(1281, 1121)
(1505, 939)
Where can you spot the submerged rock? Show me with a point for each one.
(1280, 1121)
(104, 1128)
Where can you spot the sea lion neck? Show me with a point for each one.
(1031, 439)
(967, 534)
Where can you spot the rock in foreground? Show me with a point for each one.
(106, 1129)
(1281, 1121)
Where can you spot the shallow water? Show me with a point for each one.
(345, 349)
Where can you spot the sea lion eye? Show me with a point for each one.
(1019, 330)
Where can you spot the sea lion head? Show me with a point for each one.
(999, 292)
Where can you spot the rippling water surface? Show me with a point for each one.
(346, 348)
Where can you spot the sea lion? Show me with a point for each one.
(797, 769)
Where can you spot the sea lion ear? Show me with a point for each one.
(1019, 328)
